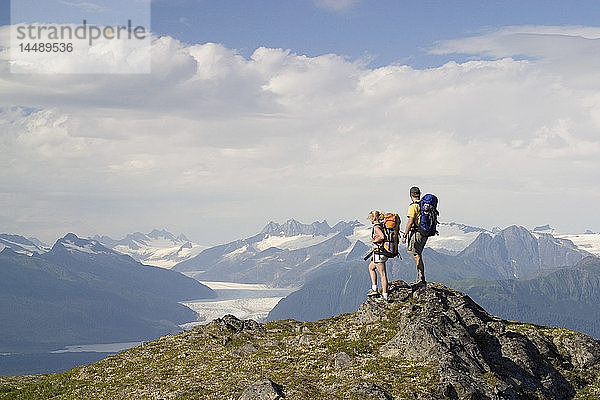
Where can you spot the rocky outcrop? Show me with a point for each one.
(479, 355)
(430, 342)
(264, 389)
(368, 390)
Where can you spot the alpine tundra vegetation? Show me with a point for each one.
(430, 342)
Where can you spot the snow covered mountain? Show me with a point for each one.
(454, 237)
(280, 255)
(158, 248)
(163, 249)
(588, 241)
(22, 245)
(288, 254)
(515, 252)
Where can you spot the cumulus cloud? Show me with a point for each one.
(572, 52)
(211, 138)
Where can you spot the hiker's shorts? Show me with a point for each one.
(379, 258)
(416, 242)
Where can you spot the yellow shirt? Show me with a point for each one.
(414, 211)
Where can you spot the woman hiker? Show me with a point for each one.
(378, 260)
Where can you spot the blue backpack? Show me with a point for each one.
(429, 215)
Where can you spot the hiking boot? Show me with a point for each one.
(373, 293)
(381, 299)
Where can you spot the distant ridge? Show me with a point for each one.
(543, 228)
(564, 297)
(22, 245)
(81, 292)
(280, 255)
(286, 254)
(293, 228)
(516, 253)
(159, 248)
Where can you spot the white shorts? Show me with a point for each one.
(379, 258)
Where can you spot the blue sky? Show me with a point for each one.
(385, 31)
(267, 110)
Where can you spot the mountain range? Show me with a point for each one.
(22, 245)
(564, 297)
(324, 262)
(280, 255)
(88, 291)
(164, 249)
(158, 247)
(81, 292)
(288, 254)
(515, 252)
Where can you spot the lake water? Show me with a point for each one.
(245, 301)
(44, 363)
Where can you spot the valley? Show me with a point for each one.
(244, 301)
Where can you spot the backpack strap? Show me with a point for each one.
(379, 245)
(414, 225)
(380, 227)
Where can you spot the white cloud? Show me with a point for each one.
(211, 139)
(569, 51)
(336, 5)
(531, 41)
(86, 6)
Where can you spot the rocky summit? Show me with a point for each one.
(429, 342)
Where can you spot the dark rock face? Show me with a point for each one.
(370, 391)
(479, 354)
(476, 355)
(231, 323)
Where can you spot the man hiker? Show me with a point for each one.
(416, 239)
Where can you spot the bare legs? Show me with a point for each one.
(380, 267)
(420, 266)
